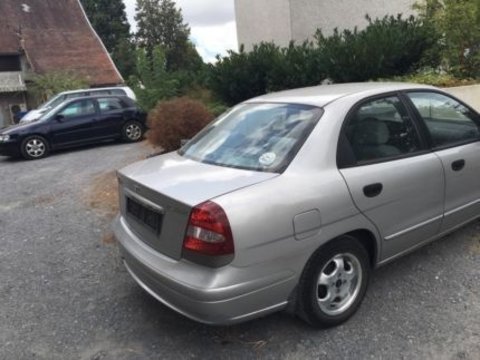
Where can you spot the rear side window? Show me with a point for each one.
(448, 121)
(377, 130)
(78, 108)
(110, 104)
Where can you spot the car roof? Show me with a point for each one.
(88, 97)
(326, 94)
(92, 90)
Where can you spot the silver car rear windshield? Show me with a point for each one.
(257, 136)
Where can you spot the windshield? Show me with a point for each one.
(53, 102)
(261, 137)
(50, 111)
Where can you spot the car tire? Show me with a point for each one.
(132, 131)
(333, 283)
(34, 147)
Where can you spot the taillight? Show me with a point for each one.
(208, 231)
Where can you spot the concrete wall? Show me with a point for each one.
(310, 15)
(284, 20)
(468, 94)
(263, 20)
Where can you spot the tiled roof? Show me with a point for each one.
(56, 36)
(11, 82)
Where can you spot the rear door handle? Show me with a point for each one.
(458, 165)
(373, 190)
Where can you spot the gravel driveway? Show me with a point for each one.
(65, 295)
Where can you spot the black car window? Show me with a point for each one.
(448, 121)
(110, 104)
(379, 129)
(78, 108)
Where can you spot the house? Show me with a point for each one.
(282, 21)
(42, 36)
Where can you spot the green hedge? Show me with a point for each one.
(387, 47)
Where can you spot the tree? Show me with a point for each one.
(46, 85)
(152, 82)
(457, 23)
(160, 23)
(109, 19)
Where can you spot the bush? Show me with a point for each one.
(387, 47)
(153, 83)
(433, 77)
(205, 96)
(174, 120)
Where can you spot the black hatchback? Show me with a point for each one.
(75, 122)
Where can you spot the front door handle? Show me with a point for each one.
(458, 165)
(373, 190)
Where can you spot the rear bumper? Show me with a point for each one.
(221, 296)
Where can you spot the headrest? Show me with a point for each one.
(371, 131)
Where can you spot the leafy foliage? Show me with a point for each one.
(429, 76)
(387, 47)
(457, 23)
(47, 85)
(109, 19)
(160, 23)
(152, 82)
(172, 121)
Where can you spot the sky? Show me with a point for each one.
(212, 23)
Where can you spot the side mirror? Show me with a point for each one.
(59, 117)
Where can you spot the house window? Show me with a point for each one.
(10, 63)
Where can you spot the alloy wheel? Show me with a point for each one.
(339, 284)
(133, 132)
(35, 148)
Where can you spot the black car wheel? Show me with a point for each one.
(334, 283)
(34, 147)
(132, 131)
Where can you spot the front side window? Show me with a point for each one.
(260, 137)
(448, 121)
(110, 104)
(380, 129)
(78, 108)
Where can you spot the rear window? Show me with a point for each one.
(260, 137)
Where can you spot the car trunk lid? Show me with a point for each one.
(158, 194)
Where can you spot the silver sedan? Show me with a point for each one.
(291, 199)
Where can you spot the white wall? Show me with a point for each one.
(468, 94)
(284, 20)
(309, 15)
(263, 20)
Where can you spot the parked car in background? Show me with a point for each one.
(75, 122)
(293, 198)
(59, 98)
